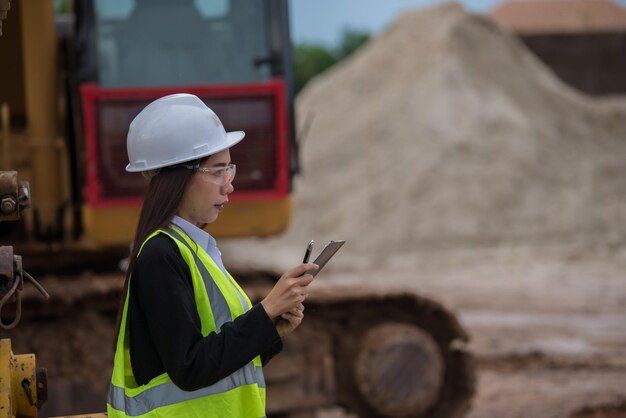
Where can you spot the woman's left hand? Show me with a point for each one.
(289, 321)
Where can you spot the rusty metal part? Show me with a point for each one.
(6, 266)
(14, 196)
(41, 376)
(28, 392)
(12, 283)
(8, 205)
(37, 285)
(23, 194)
(8, 194)
(399, 370)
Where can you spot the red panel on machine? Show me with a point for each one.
(258, 109)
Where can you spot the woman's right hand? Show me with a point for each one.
(289, 321)
(290, 290)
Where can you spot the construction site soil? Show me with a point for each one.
(458, 167)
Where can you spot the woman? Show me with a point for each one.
(189, 342)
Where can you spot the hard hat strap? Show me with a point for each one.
(190, 165)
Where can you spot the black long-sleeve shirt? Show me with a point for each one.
(165, 328)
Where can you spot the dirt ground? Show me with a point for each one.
(548, 326)
(459, 172)
(547, 321)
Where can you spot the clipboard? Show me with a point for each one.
(327, 253)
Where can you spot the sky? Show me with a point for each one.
(323, 21)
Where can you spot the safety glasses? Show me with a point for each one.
(221, 175)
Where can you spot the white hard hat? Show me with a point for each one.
(174, 129)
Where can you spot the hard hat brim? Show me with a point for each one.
(232, 138)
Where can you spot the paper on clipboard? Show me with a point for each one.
(329, 250)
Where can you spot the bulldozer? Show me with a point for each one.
(69, 86)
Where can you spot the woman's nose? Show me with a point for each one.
(228, 188)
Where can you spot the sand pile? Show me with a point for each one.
(444, 130)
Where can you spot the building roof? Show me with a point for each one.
(559, 16)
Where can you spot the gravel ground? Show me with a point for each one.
(548, 327)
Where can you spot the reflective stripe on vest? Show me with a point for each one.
(161, 396)
(219, 306)
(168, 393)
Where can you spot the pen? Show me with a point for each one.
(307, 253)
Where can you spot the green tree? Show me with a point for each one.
(313, 59)
(310, 60)
(351, 41)
(63, 6)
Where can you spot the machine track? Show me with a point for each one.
(378, 353)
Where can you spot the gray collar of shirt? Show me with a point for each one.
(204, 240)
(199, 236)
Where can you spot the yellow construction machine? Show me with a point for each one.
(70, 85)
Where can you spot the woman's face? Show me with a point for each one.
(203, 200)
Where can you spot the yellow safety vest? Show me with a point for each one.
(240, 395)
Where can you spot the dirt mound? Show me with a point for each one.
(445, 130)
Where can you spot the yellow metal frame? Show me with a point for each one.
(40, 86)
(117, 225)
(13, 370)
(110, 226)
(254, 218)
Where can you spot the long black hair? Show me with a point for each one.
(164, 196)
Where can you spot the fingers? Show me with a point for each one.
(287, 324)
(290, 291)
(294, 320)
(301, 270)
(305, 280)
(291, 316)
(298, 310)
